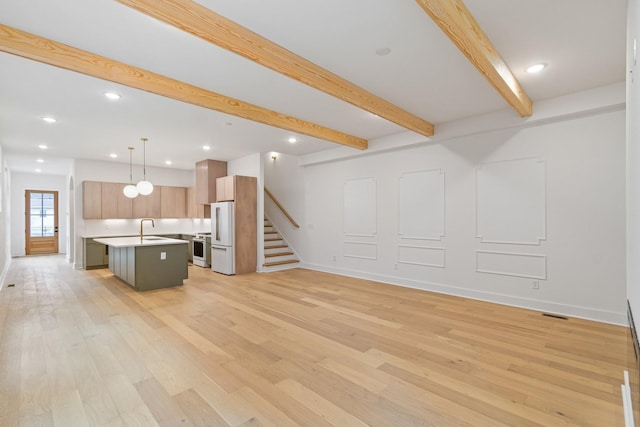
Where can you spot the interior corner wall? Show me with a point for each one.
(583, 254)
(633, 159)
(5, 259)
(20, 182)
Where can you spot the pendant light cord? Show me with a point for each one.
(130, 167)
(144, 159)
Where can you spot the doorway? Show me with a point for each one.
(41, 219)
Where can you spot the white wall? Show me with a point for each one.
(286, 181)
(5, 244)
(20, 182)
(633, 160)
(584, 208)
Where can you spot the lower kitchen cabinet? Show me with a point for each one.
(207, 250)
(96, 255)
(189, 239)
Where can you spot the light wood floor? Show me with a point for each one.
(291, 348)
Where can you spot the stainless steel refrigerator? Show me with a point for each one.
(222, 238)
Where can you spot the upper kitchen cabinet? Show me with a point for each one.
(226, 189)
(91, 200)
(194, 209)
(207, 171)
(173, 202)
(114, 203)
(147, 206)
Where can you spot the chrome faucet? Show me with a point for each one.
(153, 224)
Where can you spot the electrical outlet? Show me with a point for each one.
(395, 266)
(335, 258)
(163, 255)
(535, 284)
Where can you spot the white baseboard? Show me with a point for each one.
(544, 306)
(5, 270)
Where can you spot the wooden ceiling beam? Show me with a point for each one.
(453, 17)
(47, 51)
(199, 21)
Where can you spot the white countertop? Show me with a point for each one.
(96, 236)
(126, 242)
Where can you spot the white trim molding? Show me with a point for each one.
(514, 266)
(425, 250)
(364, 254)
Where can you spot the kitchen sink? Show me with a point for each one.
(154, 238)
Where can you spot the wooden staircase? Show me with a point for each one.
(276, 250)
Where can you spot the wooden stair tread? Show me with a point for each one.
(277, 254)
(270, 232)
(275, 246)
(272, 239)
(288, 261)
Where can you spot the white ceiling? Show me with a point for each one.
(582, 41)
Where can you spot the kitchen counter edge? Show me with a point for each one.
(134, 241)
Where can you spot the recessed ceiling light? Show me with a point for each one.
(112, 95)
(40, 160)
(43, 146)
(292, 140)
(49, 119)
(206, 147)
(168, 162)
(383, 51)
(228, 123)
(536, 68)
(38, 170)
(113, 155)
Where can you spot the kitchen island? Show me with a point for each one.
(149, 263)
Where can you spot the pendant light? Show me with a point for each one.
(144, 187)
(130, 190)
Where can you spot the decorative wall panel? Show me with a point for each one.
(512, 264)
(421, 205)
(361, 250)
(360, 207)
(511, 202)
(421, 255)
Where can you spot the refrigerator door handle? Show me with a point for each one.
(217, 237)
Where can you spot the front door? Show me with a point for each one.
(41, 222)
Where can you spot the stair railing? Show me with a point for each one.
(282, 209)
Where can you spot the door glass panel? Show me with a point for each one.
(42, 215)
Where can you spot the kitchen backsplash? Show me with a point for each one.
(123, 227)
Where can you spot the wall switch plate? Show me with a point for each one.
(535, 284)
(163, 255)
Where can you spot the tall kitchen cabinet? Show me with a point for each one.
(207, 171)
(243, 191)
